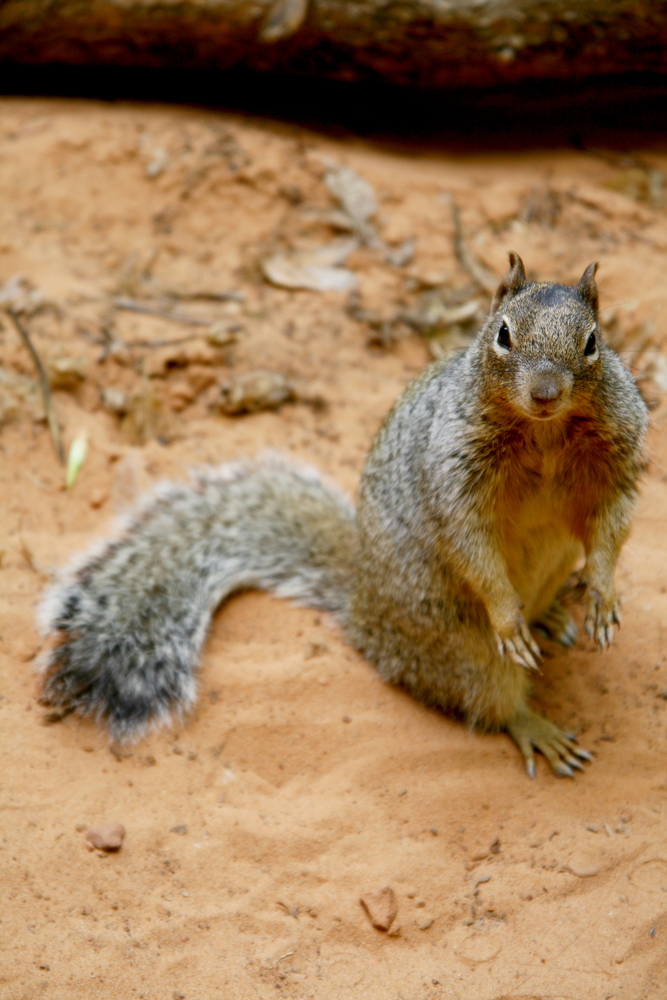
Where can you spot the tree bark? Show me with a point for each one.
(428, 43)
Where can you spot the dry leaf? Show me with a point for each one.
(21, 296)
(355, 195)
(314, 270)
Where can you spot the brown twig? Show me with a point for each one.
(203, 296)
(112, 341)
(176, 342)
(164, 312)
(477, 271)
(51, 416)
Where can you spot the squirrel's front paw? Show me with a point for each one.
(520, 646)
(601, 615)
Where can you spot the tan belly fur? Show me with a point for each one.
(540, 551)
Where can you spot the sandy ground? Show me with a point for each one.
(301, 781)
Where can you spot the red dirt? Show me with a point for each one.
(302, 781)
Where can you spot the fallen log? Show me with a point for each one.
(425, 43)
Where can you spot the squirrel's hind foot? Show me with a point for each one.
(531, 732)
(557, 624)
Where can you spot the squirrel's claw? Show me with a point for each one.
(599, 626)
(601, 634)
(535, 649)
(600, 620)
(521, 648)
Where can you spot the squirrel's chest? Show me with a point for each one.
(533, 519)
(543, 510)
(531, 491)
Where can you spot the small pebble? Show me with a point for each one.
(66, 373)
(581, 872)
(97, 498)
(255, 391)
(106, 837)
(381, 907)
(158, 163)
(181, 829)
(115, 400)
(222, 334)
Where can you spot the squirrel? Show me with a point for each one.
(496, 474)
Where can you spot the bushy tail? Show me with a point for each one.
(132, 618)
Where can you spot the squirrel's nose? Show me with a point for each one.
(546, 390)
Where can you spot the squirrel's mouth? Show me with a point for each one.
(544, 409)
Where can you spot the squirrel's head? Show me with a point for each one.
(541, 343)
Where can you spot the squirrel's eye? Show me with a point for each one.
(591, 344)
(503, 337)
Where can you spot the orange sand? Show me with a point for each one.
(301, 779)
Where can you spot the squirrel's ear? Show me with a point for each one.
(587, 288)
(513, 282)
